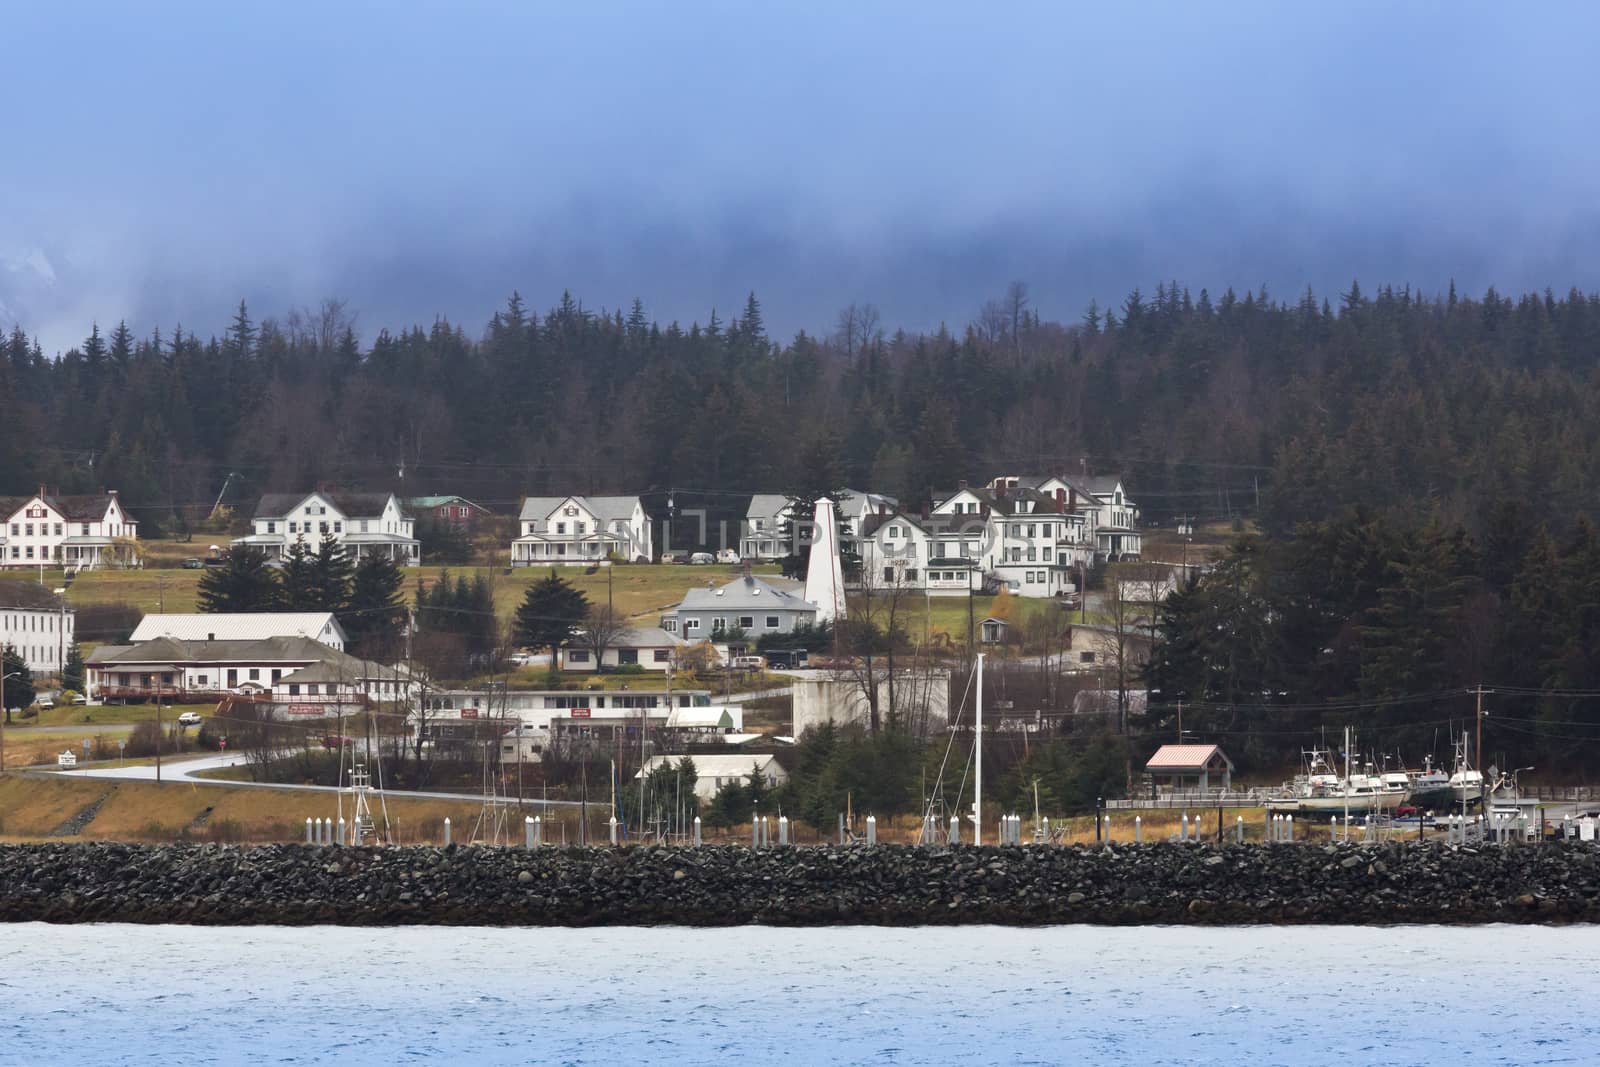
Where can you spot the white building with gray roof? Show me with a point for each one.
(585, 530)
(754, 605)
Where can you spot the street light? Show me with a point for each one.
(5, 713)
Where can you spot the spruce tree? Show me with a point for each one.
(19, 691)
(331, 574)
(375, 617)
(245, 582)
(550, 612)
(298, 578)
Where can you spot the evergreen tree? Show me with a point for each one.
(331, 574)
(297, 579)
(19, 691)
(244, 582)
(72, 676)
(550, 612)
(375, 618)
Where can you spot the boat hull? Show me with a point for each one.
(1363, 803)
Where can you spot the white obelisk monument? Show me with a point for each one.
(825, 574)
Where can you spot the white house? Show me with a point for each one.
(582, 530)
(37, 623)
(753, 605)
(364, 524)
(1112, 519)
(648, 647)
(74, 532)
(200, 670)
(243, 626)
(1020, 536)
(712, 772)
(899, 551)
(764, 523)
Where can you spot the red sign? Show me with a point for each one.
(306, 709)
(580, 713)
(469, 713)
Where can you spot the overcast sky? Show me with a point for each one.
(164, 160)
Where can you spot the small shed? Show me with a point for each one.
(992, 631)
(1175, 768)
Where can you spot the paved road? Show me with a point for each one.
(71, 728)
(188, 770)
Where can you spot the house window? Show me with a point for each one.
(627, 655)
(29, 529)
(84, 531)
(338, 527)
(201, 679)
(322, 527)
(291, 527)
(894, 531)
(272, 527)
(772, 622)
(670, 625)
(888, 574)
(719, 625)
(690, 624)
(577, 655)
(911, 574)
(294, 689)
(747, 622)
(1085, 657)
(58, 529)
(561, 527)
(364, 526)
(1033, 554)
(311, 689)
(661, 655)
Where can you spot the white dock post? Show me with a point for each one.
(697, 831)
(841, 828)
(327, 831)
(1138, 830)
(612, 825)
(955, 829)
(755, 831)
(766, 833)
(1106, 837)
(527, 832)
(1288, 828)
(447, 829)
(1044, 827)
(783, 830)
(1183, 829)
(1238, 830)
(538, 830)
(309, 836)
(872, 830)
(340, 837)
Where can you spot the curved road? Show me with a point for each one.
(187, 770)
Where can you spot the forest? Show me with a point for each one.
(1210, 405)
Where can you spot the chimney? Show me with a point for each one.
(962, 484)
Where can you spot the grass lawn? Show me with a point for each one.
(101, 715)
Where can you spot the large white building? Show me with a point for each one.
(37, 623)
(555, 530)
(364, 524)
(75, 532)
(185, 671)
(243, 626)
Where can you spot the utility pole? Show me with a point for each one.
(1478, 744)
(1180, 721)
(158, 731)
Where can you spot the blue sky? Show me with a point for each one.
(165, 160)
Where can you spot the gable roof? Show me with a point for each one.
(237, 626)
(603, 508)
(441, 501)
(175, 650)
(73, 507)
(746, 593)
(1184, 757)
(351, 505)
(766, 505)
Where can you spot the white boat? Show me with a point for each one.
(1320, 789)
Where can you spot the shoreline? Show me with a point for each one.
(720, 886)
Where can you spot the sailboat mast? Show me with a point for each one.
(1347, 781)
(977, 760)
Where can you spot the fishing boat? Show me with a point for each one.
(1430, 787)
(1467, 784)
(1321, 789)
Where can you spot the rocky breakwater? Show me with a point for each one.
(718, 886)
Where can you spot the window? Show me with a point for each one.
(772, 622)
(747, 622)
(294, 689)
(84, 531)
(1033, 554)
(577, 655)
(911, 574)
(888, 574)
(1085, 657)
(29, 529)
(578, 528)
(322, 527)
(311, 689)
(670, 625)
(561, 527)
(291, 527)
(690, 625)
(661, 655)
(627, 655)
(719, 625)
(30, 551)
(364, 526)
(894, 531)
(58, 529)
(272, 527)
(338, 527)
(202, 679)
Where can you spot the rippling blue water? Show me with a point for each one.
(973, 995)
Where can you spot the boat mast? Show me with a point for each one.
(1347, 781)
(977, 759)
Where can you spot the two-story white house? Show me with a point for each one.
(899, 551)
(1023, 537)
(582, 530)
(76, 532)
(364, 524)
(770, 534)
(765, 524)
(1112, 519)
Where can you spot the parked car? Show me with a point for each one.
(522, 659)
(728, 555)
(747, 663)
(702, 558)
(80, 699)
(189, 718)
(194, 563)
(674, 557)
(45, 703)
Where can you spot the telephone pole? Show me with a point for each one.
(1478, 744)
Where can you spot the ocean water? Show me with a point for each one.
(113, 994)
